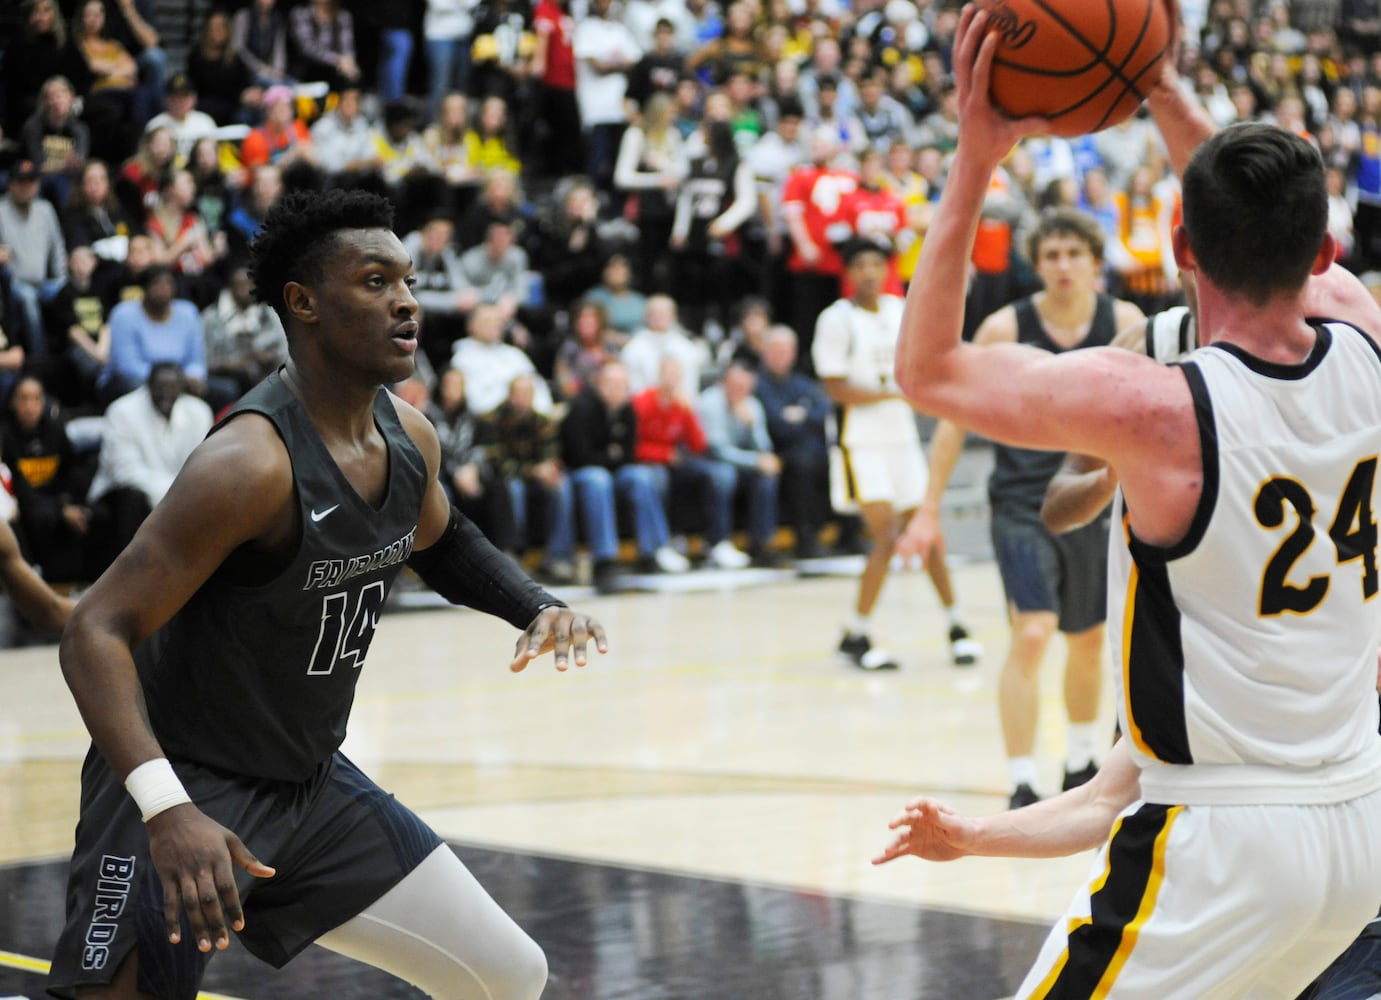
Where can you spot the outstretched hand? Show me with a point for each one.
(929, 830)
(194, 857)
(563, 631)
(986, 126)
(921, 540)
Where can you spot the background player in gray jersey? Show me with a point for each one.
(277, 543)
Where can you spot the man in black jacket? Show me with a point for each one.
(597, 448)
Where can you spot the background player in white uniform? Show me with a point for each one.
(854, 350)
(1243, 856)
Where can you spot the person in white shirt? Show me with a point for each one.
(182, 118)
(605, 51)
(660, 336)
(146, 438)
(490, 365)
(345, 142)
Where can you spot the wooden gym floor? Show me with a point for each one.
(688, 817)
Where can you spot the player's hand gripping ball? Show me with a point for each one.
(1083, 64)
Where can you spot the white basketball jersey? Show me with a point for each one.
(1249, 649)
(1171, 334)
(861, 347)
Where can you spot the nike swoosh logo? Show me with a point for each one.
(317, 515)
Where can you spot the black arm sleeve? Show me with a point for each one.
(465, 568)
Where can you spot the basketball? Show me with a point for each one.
(1084, 64)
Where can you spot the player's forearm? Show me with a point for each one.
(946, 444)
(1073, 499)
(99, 669)
(33, 598)
(1077, 820)
(934, 317)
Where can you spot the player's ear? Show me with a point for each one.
(300, 301)
(1184, 256)
(1328, 253)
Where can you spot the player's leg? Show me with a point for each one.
(440, 931)
(856, 645)
(125, 985)
(1083, 600)
(1027, 563)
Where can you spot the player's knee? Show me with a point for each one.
(1029, 639)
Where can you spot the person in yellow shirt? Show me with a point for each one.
(487, 144)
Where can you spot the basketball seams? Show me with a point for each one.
(1116, 71)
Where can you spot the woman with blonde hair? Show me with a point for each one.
(651, 164)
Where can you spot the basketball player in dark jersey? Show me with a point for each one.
(215, 663)
(1050, 583)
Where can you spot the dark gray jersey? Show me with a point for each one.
(1020, 475)
(259, 680)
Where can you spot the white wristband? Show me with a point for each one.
(155, 788)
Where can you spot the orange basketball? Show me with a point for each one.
(1084, 64)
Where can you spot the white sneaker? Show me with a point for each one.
(725, 556)
(670, 561)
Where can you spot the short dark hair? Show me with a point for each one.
(1064, 221)
(299, 234)
(1256, 209)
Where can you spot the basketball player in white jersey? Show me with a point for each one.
(1244, 800)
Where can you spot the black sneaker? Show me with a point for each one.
(963, 649)
(1022, 795)
(858, 650)
(1073, 779)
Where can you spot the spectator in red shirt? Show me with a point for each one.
(282, 140)
(811, 202)
(560, 143)
(875, 213)
(671, 441)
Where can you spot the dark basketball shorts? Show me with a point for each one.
(337, 841)
(1066, 574)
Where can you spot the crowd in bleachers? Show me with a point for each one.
(624, 219)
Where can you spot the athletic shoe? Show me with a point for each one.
(559, 572)
(964, 651)
(668, 560)
(858, 650)
(1073, 779)
(1022, 795)
(725, 556)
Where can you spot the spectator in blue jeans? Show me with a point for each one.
(597, 440)
(736, 429)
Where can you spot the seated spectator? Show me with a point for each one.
(671, 441)
(736, 430)
(14, 333)
(147, 437)
(743, 343)
(497, 270)
(158, 327)
(213, 186)
(442, 291)
(244, 339)
(490, 365)
(445, 142)
(321, 44)
(566, 246)
(181, 239)
(487, 144)
(80, 323)
(797, 410)
(588, 347)
(47, 53)
(56, 139)
(468, 476)
(49, 482)
(283, 140)
(598, 438)
(661, 336)
(93, 217)
(142, 174)
(623, 306)
(32, 248)
(346, 149)
(498, 199)
(524, 447)
(135, 25)
(259, 36)
(225, 89)
(414, 180)
(244, 220)
(181, 117)
(109, 106)
(125, 281)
